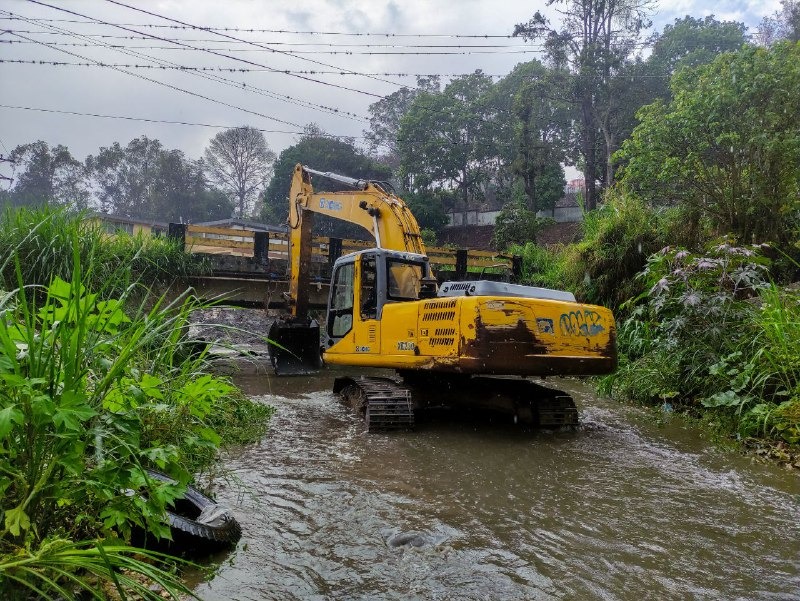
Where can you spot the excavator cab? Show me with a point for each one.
(363, 283)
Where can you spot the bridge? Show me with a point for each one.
(250, 268)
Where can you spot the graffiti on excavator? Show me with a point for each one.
(581, 323)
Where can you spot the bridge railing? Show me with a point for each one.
(267, 247)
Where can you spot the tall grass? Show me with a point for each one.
(542, 266)
(64, 570)
(601, 268)
(95, 386)
(773, 366)
(42, 241)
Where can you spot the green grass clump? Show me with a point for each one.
(96, 385)
(42, 241)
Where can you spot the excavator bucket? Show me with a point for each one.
(294, 347)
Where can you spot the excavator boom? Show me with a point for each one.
(384, 215)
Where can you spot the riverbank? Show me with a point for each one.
(100, 384)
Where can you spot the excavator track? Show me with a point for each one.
(528, 402)
(556, 410)
(384, 403)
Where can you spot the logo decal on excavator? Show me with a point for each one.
(406, 346)
(362, 349)
(545, 325)
(331, 205)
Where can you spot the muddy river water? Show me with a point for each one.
(623, 508)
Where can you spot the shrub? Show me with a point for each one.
(541, 266)
(516, 225)
(94, 387)
(617, 239)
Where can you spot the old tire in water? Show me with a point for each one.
(198, 523)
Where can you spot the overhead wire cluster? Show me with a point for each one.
(226, 44)
(147, 61)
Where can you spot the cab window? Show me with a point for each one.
(369, 292)
(340, 316)
(404, 279)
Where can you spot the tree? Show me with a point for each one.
(48, 176)
(593, 42)
(323, 153)
(689, 42)
(515, 225)
(540, 133)
(447, 140)
(782, 25)
(125, 178)
(428, 210)
(147, 181)
(239, 161)
(727, 146)
(182, 194)
(385, 116)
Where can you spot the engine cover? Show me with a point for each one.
(489, 288)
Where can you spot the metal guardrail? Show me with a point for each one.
(264, 247)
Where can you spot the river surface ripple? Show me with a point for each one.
(621, 509)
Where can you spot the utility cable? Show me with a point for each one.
(295, 53)
(163, 64)
(290, 31)
(210, 51)
(176, 88)
(274, 43)
(241, 70)
(230, 37)
(146, 120)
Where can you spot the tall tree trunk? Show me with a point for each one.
(464, 195)
(608, 136)
(589, 153)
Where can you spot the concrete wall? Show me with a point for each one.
(560, 215)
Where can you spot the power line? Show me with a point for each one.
(176, 88)
(526, 50)
(238, 85)
(147, 120)
(211, 51)
(274, 43)
(229, 37)
(241, 70)
(290, 31)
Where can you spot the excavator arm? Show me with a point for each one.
(369, 205)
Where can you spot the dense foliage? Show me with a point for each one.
(99, 382)
(711, 332)
(727, 145)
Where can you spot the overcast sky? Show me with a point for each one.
(378, 39)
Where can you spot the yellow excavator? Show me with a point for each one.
(459, 344)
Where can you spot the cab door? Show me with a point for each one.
(368, 298)
(340, 304)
